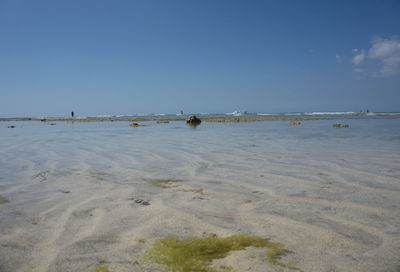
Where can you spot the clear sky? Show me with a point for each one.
(126, 57)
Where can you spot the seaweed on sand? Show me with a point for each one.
(197, 191)
(3, 199)
(99, 175)
(197, 253)
(163, 182)
(103, 268)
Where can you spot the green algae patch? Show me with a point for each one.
(162, 182)
(99, 175)
(103, 268)
(197, 253)
(3, 199)
(127, 182)
(227, 269)
(197, 191)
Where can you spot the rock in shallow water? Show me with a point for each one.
(141, 201)
(136, 125)
(340, 125)
(192, 119)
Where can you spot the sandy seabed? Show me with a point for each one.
(81, 197)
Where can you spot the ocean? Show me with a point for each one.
(324, 192)
(237, 113)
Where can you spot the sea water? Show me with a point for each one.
(369, 150)
(303, 173)
(174, 149)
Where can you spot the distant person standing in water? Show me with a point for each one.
(72, 114)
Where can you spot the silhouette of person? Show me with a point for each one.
(72, 114)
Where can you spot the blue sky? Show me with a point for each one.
(125, 57)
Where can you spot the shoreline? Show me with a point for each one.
(149, 119)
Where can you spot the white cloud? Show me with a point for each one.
(387, 51)
(359, 58)
(338, 58)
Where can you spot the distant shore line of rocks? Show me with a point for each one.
(163, 119)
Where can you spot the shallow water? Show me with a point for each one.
(290, 183)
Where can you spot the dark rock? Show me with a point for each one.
(41, 176)
(140, 201)
(137, 125)
(192, 119)
(340, 125)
